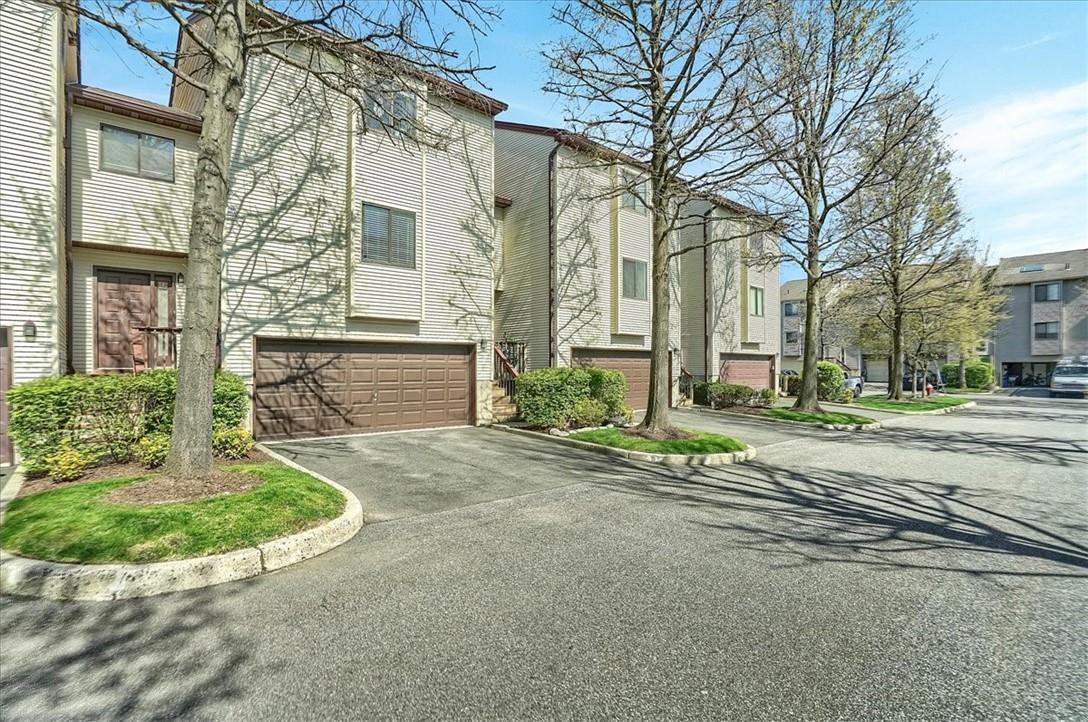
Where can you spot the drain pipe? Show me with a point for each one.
(553, 321)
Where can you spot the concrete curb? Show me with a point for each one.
(734, 457)
(103, 582)
(11, 489)
(930, 412)
(771, 420)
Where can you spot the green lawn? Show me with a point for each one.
(699, 443)
(826, 417)
(927, 403)
(971, 390)
(73, 523)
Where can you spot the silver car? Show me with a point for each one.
(1070, 378)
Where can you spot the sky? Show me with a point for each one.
(1013, 77)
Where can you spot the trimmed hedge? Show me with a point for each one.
(980, 375)
(103, 417)
(554, 397)
(716, 395)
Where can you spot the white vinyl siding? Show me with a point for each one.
(31, 187)
(293, 263)
(122, 208)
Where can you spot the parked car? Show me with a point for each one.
(855, 384)
(1070, 377)
(930, 379)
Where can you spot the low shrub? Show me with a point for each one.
(847, 396)
(979, 374)
(700, 394)
(67, 463)
(829, 380)
(151, 450)
(588, 412)
(609, 387)
(104, 416)
(735, 395)
(793, 385)
(766, 398)
(231, 443)
(546, 397)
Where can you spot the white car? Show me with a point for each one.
(1070, 377)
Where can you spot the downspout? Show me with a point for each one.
(553, 321)
(67, 226)
(706, 296)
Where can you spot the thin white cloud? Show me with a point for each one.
(1049, 37)
(1024, 170)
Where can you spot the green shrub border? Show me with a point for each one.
(554, 397)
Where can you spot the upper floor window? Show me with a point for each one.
(634, 279)
(1046, 331)
(791, 336)
(389, 236)
(755, 301)
(633, 193)
(789, 309)
(391, 111)
(135, 153)
(1048, 292)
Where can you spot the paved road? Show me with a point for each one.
(935, 570)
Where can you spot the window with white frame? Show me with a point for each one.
(633, 193)
(789, 309)
(1048, 292)
(391, 111)
(135, 153)
(389, 236)
(755, 301)
(634, 279)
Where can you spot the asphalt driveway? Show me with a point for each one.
(934, 571)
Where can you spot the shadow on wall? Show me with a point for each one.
(578, 263)
(167, 658)
(725, 302)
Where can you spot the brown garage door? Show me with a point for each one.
(754, 371)
(635, 365)
(320, 388)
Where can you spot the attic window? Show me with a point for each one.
(1031, 267)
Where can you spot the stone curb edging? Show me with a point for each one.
(733, 457)
(929, 412)
(11, 489)
(771, 420)
(104, 582)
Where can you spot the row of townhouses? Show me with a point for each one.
(368, 284)
(1044, 319)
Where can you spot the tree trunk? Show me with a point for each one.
(807, 399)
(914, 378)
(191, 437)
(962, 373)
(895, 380)
(657, 406)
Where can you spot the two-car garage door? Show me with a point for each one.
(324, 388)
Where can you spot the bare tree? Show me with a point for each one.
(837, 66)
(662, 83)
(909, 228)
(353, 49)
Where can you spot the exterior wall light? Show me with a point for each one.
(30, 331)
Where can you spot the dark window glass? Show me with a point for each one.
(1048, 292)
(389, 236)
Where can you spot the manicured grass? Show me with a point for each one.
(957, 390)
(74, 524)
(827, 417)
(920, 404)
(699, 443)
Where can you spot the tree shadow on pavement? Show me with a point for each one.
(1016, 447)
(160, 658)
(829, 516)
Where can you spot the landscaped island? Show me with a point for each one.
(115, 520)
(816, 417)
(928, 403)
(691, 443)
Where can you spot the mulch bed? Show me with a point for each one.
(168, 490)
(162, 491)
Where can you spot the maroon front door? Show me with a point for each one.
(129, 303)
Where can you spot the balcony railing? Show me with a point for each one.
(509, 364)
(155, 348)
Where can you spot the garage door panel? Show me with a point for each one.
(311, 388)
(634, 365)
(754, 371)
